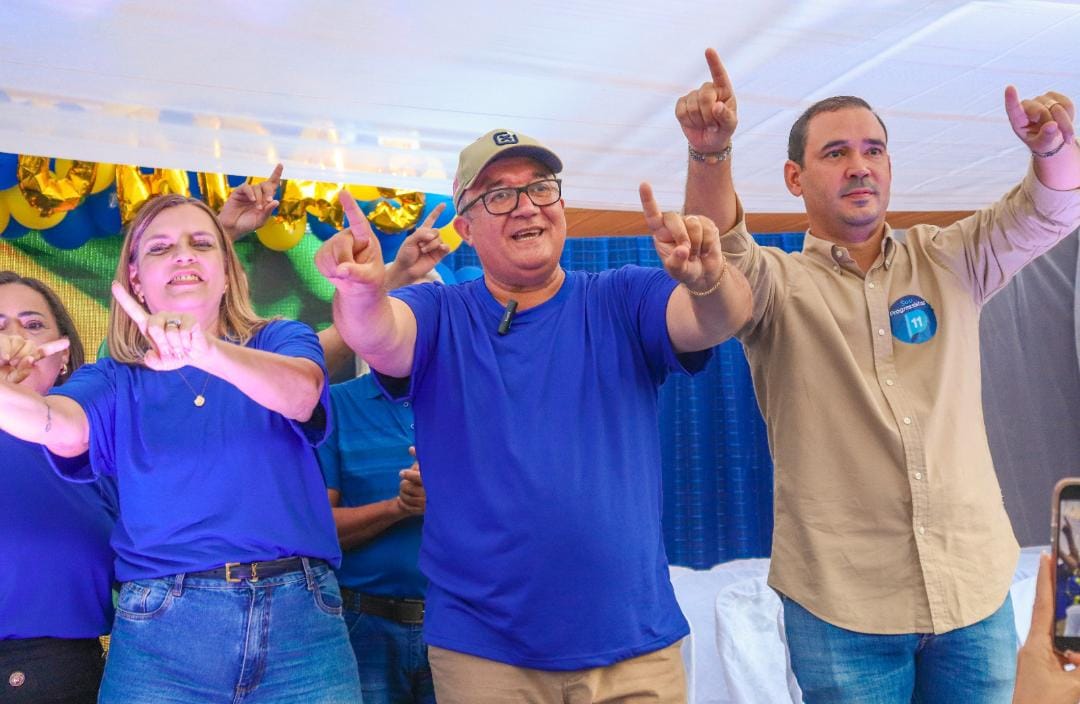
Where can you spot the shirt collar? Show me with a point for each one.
(837, 255)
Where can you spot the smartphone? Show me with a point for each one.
(1065, 546)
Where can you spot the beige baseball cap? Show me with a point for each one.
(498, 144)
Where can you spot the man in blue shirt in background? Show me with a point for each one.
(375, 488)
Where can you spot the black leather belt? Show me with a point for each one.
(410, 611)
(254, 571)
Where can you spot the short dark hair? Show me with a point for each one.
(64, 323)
(796, 144)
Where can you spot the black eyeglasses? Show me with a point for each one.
(501, 201)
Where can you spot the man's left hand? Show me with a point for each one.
(1041, 123)
(688, 245)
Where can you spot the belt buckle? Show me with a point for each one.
(253, 577)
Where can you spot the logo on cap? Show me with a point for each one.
(504, 138)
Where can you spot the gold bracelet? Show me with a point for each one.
(711, 289)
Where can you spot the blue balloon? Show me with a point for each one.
(446, 273)
(390, 244)
(8, 170)
(193, 185)
(431, 201)
(320, 229)
(468, 273)
(14, 229)
(105, 211)
(72, 232)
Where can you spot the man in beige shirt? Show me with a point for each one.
(892, 548)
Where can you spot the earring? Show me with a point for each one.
(63, 369)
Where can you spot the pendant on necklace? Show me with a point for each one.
(200, 401)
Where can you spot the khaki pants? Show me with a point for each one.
(657, 678)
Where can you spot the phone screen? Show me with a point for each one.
(1067, 572)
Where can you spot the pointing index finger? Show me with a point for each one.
(1017, 116)
(50, 348)
(275, 175)
(653, 217)
(429, 221)
(716, 68)
(358, 222)
(132, 307)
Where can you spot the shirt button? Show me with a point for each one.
(412, 426)
(870, 285)
(881, 331)
(836, 267)
(889, 382)
(918, 475)
(17, 679)
(907, 421)
(922, 531)
(406, 404)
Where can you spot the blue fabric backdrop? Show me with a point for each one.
(717, 470)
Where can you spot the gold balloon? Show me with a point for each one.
(316, 197)
(215, 190)
(363, 192)
(106, 174)
(449, 234)
(49, 193)
(280, 236)
(26, 214)
(392, 218)
(133, 188)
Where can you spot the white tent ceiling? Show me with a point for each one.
(387, 93)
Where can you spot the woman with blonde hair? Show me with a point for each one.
(207, 416)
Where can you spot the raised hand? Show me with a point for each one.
(421, 250)
(176, 339)
(249, 206)
(688, 246)
(352, 259)
(1043, 123)
(708, 115)
(18, 355)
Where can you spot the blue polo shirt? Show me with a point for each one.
(367, 448)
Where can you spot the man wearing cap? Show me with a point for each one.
(537, 431)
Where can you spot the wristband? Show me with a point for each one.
(709, 157)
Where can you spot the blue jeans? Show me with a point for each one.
(392, 659)
(194, 639)
(973, 665)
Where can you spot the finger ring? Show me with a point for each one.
(1051, 104)
(172, 323)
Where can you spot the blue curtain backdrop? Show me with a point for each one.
(717, 470)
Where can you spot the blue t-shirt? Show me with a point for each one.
(198, 487)
(367, 448)
(56, 578)
(541, 459)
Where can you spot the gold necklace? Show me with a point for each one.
(200, 400)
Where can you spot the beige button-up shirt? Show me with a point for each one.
(889, 517)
